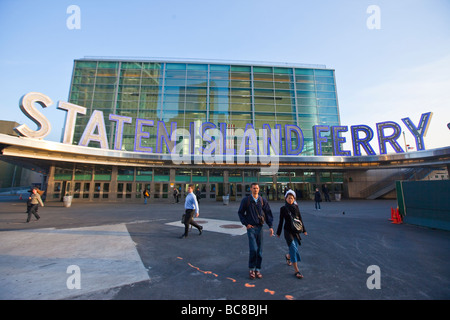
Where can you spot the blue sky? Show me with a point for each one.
(401, 70)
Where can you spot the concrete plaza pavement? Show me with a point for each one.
(133, 251)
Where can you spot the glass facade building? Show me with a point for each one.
(183, 92)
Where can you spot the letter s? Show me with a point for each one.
(28, 108)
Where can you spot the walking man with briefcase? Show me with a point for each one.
(191, 207)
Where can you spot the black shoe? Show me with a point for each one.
(183, 236)
(200, 230)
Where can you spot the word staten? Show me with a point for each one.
(208, 138)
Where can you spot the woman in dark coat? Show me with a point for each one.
(292, 237)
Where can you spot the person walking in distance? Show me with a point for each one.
(176, 195)
(253, 212)
(317, 199)
(146, 195)
(191, 207)
(293, 225)
(33, 203)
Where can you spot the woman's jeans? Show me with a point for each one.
(293, 250)
(255, 241)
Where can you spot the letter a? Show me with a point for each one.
(73, 281)
(374, 21)
(73, 21)
(374, 281)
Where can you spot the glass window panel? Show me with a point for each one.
(151, 81)
(290, 117)
(175, 66)
(86, 64)
(240, 84)
(130, 82)
(329, 120)
(304, 71)
(325, 80)
(173, 106)
(328, 110)
(240, 92)
(326, 95)
(174, 74)
(105, 88)
(197, 67)
(219, 83)
(283, 85)
(306, 94)
(241, 107)
(262, 84)
(104, 96)
(151, 89)
(262, 69)
(282, 78)
(264, 107)
(240, 69)
(130, 73)
(239, 76)
(196, 94)
(326, 73)
(326, 102)
(106, 72)
(284, 93)
(324, 87)
(214, 67)
(170, 115)
(195, 98)
(264, 100)
(216, 117)
(197, 74)
(264, 118)
(219, 107)
(219, 75)
(197, 82)
(173, 98)
(263, 77)
(106, 80)
(240, 124)
(304, 79)
(306, 110)
(282, 70)
(307, 101)
(175, 90)
(131, 65)
(148, 114)
(263, 92)
(236, 99)
(305, 86)
(285, 108)
(152, 66)
(175, 82)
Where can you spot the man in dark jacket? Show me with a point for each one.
(253, 212)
